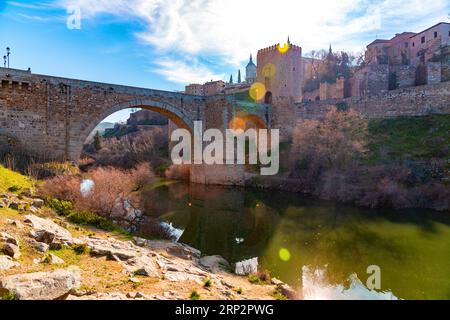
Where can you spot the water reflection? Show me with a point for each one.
(316, 287)
(287, 233)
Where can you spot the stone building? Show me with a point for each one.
(280, 69)
(409, 48)
(429, 42)
(214, 87)
(195, 89)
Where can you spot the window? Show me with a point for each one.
(435, 34)
(423, 40)
(406, 44)
(414, 44)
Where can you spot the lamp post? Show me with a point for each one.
(8, 52)
(4, 61)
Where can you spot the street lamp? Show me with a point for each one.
(4, 61)
(8, 52)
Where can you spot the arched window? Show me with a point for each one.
(268, 98)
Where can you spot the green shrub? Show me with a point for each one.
(207, 283)
(92, 219)
(14, 189)
(8, 296)
(278, 295)
(61, 207)
(262, 277)
(194, 295)
(239, 290)
(80, 248)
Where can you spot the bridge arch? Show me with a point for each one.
(173, 113)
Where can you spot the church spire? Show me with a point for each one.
(251, 58)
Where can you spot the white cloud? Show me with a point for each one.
(231, 29)
(181, 72)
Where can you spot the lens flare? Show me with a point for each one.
(284, 254)
(257, 91)
(269, 70)
(283, 49)
(237, 125)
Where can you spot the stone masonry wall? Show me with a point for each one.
(414, 101)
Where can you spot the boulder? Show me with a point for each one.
(142, 266)
(112, 248)
(50, 259)
(7, 263)
(40, 285)
(41, 247)
(287, 291)
(276, 282)
(15, 223)
(43, 236)
(14, 205)
(38, 203)
(7, 238)
(214, 263)
(11, 250)
(45, 228)
(174, 248)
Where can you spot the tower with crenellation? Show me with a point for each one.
(280, 69)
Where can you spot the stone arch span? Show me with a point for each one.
(173, 113)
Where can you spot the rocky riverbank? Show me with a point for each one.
(44, 257)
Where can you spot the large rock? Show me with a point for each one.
(177, 249)
(142, 266)
(7, 238)
(40, 285)
(214, 263)
(45, 228)
(7, 263)
(38, 203)
(43, 236)
(12, 250)
(112, 248)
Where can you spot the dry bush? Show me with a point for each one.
(387, 193)
(65, 187)
(111, 187)
(338, 186)
(130, 150)
(142, 175)
(436, 196)
(178, 172)
(334, 142)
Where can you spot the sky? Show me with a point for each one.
(166, 44)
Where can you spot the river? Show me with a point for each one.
(321, 248)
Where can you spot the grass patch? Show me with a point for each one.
(194, 295)
(261, 278)
(207, 283)
(278, 295)
(8, 296)
(409, 138)
(239, 291)
(69, 256)
(12, 181)
(91, 219)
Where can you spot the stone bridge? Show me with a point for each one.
(51, 117)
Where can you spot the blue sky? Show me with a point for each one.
(165, 44)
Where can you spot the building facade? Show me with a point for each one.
(281, 71)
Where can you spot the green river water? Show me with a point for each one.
(322, 249)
